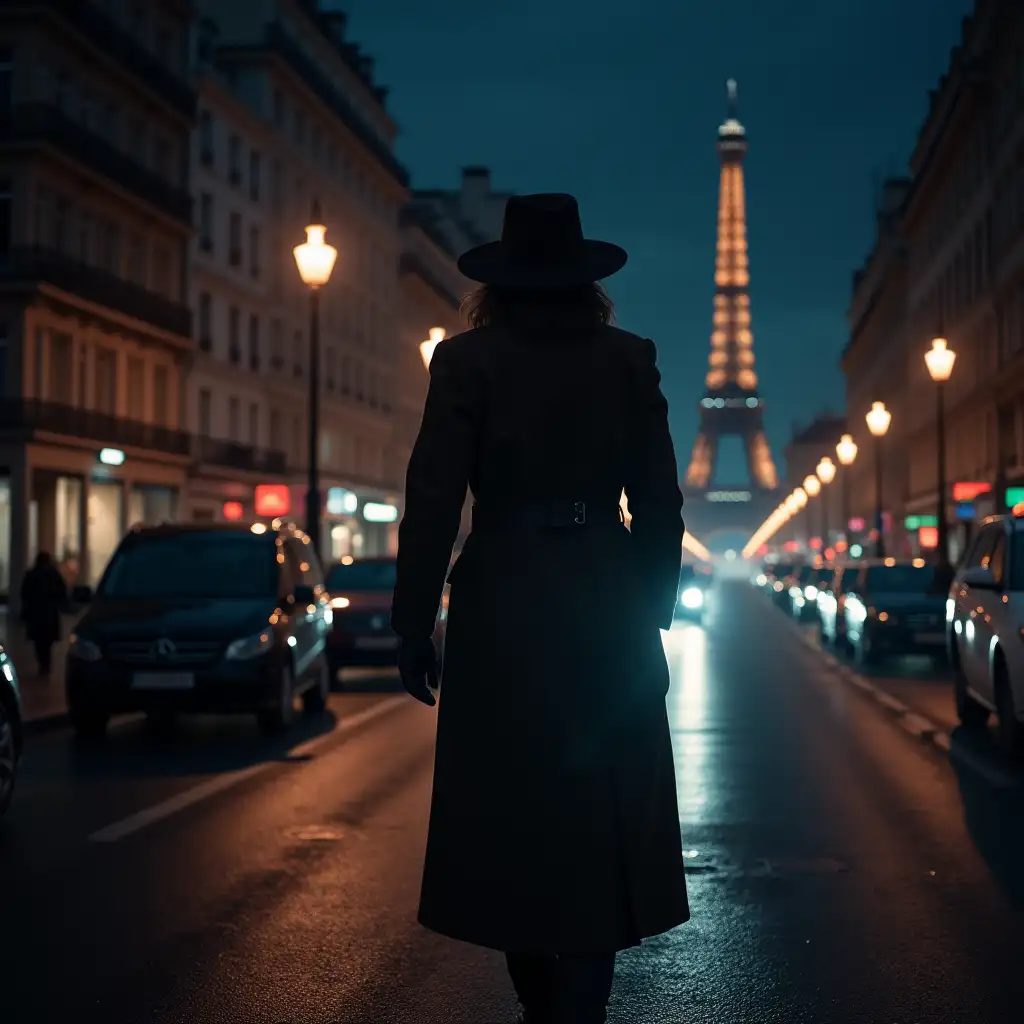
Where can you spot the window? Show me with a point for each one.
(5, 215)
(346, 374)
(254, 424)
(254, 342)
(254, 252)
(235, 160)
(276, 187)
(275, 430)
(137, 259)
(206, 138)
(162, 158)
(234, 332)
(203, 321)
(206, 222)
(105, 395)
(235, 240)
(59, 370)
(163, 276)
(110, 247)
(997, 559)
(85, 235)
(162, 396)
(136, 389)
(205, 409)
(254, 176)
(276, 354)
(234, 414)
(297, 354)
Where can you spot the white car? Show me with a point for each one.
(11, 729)
(984, 618)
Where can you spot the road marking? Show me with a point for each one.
(219, 783)
(942, 740)
(916, 725)
(887, 700)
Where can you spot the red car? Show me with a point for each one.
(361, 636)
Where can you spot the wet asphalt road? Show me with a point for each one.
(840, 870)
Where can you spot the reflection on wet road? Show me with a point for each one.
(840, 871)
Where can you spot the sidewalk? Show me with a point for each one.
(43, 702)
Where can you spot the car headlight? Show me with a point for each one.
(692, 598)
(761, 579)
(84, 649)
(811, 593)
(250, 646)
(950, 609)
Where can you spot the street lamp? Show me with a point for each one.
(826, 470)
(846, 452)
(427, 347)
(940, 359)
(812, 485)
(315, 260)
(878, 420)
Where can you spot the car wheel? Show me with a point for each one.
(89, 725)
(8, 757)
(969, 712)
(278, 718)
(1009, 728)
(314, 700)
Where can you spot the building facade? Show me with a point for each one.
(290, 117)
(820, 525)
(95, 328)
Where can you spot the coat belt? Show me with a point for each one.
(546, 515)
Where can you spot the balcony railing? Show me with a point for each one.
(33, 265)
(29, 416)
(281, 43)
(91, 21)
(240, 456)
(38, 123)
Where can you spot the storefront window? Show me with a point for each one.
(67, 533)
(5, 536)
(347, 539)
(106, 525)
(152, 504)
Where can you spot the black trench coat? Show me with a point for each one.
(554, 824)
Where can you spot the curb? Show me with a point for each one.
(913, 722)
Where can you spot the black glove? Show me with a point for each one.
(417, 665)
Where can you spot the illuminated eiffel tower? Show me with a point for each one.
(731, 406)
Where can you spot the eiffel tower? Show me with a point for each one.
(731, 406)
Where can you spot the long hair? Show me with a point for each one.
(569, 310)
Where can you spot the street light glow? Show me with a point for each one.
(878, 419)
(940, 359)
(315, 257)
(826, 470)
(427, 347)
(812, 485)
(800, 497)
(846, 450)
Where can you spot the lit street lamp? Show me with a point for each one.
(878, 420)
(812, 485)
(826, 470)
(940, 359)
(846, 452)
(315, 260)
(427, 347)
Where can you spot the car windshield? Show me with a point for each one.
(373, 574)
(215, 563)
(899, 579)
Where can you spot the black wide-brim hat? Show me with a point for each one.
(542, 247)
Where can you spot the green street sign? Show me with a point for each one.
(916, 522)
(1014, 496)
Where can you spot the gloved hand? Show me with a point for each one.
(417, 665)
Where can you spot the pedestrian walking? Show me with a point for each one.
(44, 595)
(554, 829)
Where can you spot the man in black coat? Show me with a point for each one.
(554, 828)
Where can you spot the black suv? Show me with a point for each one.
(202, 618)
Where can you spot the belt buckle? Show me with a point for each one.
(580, 513)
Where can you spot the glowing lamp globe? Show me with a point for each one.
(812, 485)
(878, 419)
(846, 450)
(800, 497)
(826, 470)
(315, 258)
(427, 347)
(940, 359)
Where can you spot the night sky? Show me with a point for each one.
(619, 103)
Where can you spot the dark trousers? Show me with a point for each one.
(572, 988)
(44, 655)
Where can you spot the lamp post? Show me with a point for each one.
(315, 260)
(427, 347)
(878, 420)
(826, 470)
(940, 359)
(846, 452)
(812, 486)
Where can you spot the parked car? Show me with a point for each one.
(803, 595)
(831, 604)
(11, 729)
(220, 618)
(360, 592)
(694, 586)
(778, 581)
(895, 607)
(985, 628)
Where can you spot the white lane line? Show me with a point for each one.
(917, 726)
(219, 783)
(887, 700)
(942, 740)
